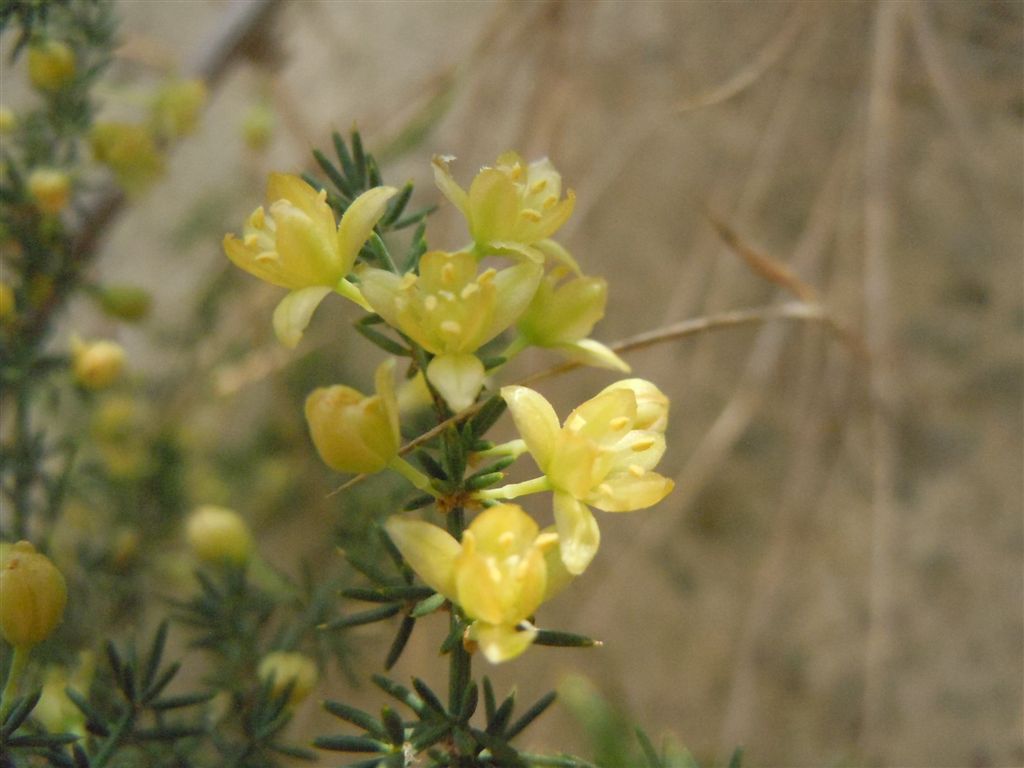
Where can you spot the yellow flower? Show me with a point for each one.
(219, 535)
(353, 432)
(177, 106)
(32, 596)
(498, 574)
(562, 313)
(51, 65)
(96, 364)
(602, 456)
(130, 152)
(8, 303)
(50, 189)
(509, 203)
(8, 120)
(451, 311)
(286, 668)
(296, 245)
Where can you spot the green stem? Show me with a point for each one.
(18, 662)
(515, 490)
(517, 345)
(413, 475)
(460, 663)
(112, 741)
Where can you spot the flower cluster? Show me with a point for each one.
(444, 308)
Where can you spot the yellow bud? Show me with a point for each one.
(129, 151)
(353, 432)
(125, 302)
(219, 535)
(32, 596)
(50, 189)
(96, 364)
(177, 106)
(258, 127)
(7, 119)
(51, 65)
(289, 668)
(7, 302)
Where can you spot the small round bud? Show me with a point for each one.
(32, 596)
(96, 364)
(8, 121)
(177, 106)
(125, 302)
(7, 302)
(258, 127)
(50, 189)
(286, 667)
(219, 535)
(51, 65)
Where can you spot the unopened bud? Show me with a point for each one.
(32, 596)
(51, 65)
(50, 189)
(219, 535)
(125, 302)
(96, 364)
(7, 119)
(289, 668)
(177, 106)
(258, 127)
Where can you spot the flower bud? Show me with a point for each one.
(258, 127)
(219, 535)
(8, 304)
(351, 431)
(51, 65)
(177, 106)
(125, 302)
(8, 121)
(50, 189)
(32, 596)
(96, 364)
(651, 403)
(287, 668)
(129, 151)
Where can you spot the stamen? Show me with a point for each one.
(642, 444)
(636, 470)
(530, 215)
(605, 489)
(451, 327)
(448, 273)
(549, 202)
(619, 423)
(506, 539)
(430, 303)
(469, 290)
(538, 185)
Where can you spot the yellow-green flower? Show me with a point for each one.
(289, 668)
(32, 596)
(353, 432)
(511, 203)
(563, 311)
(177, 106)
(296, 245)
(219, 535)
(498, 574)
(96, 364)
(130, 152)
(51, 65)
(602, 456)
(50, 189)
(451, 310)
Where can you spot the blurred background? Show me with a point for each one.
(837, 579)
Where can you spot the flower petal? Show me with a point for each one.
(626, 491)
(358, 222)
(493, 206)
(381, 290)
(535, 420)
(514, 289)
(499, 642)
(480, 587)
(430, 551)
(578, 534)
(293, 313)
(596, 354)
(457, 378)
(557, 252)
(446, 183)
(384, 383)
